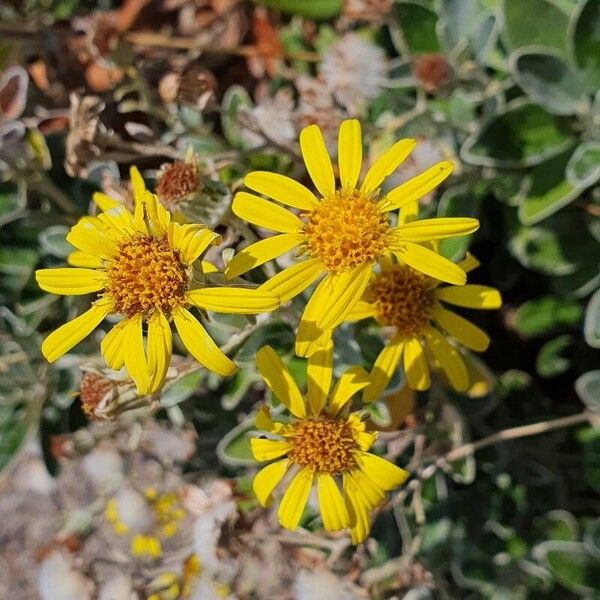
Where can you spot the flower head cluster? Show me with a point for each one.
(369, 256)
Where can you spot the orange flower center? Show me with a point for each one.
(346, 230)
(175, 182)
(146, 275)
(402, 299)
(324, 444)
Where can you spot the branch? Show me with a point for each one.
(496, 438)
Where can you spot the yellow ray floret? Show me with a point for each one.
(140, 265)
(343, 230)
(323, 445)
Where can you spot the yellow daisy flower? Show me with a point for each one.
(345, 229)
(141, 265)
(411, 306)
(322, 445)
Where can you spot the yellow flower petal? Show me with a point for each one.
(429, 262)
(417, 187)
(159, 218)
(319, 372)
(409, 212)
(91, 236)
(369, 494)
(468, 334)
(137, 184)
(160, 344)
(70, 281)
(386, 164)
(279, 380)
(200, 345)
(240, 301)
(77, 258)
(263, 213)
(415, 365)
(267, 479)
(471, 296)
(68, 335)
(281, 188)
(350, 382)
(264, 449)
(439, 228)
(357, 511)
(295, 498)
(468, 263)
(291, 281)
(384, 368)
(449, 359)
(119, 223)
(104, 202)
(310, 339)
(263, 421)
(113, 346)
(135, 354)
(331, 504)
(362, 310)
(349, 152)
(342, 295)
(260, 252)
(316, 159)
(384, 474)
(191, 240)
(208, 267)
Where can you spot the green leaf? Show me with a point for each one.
(591, 325)
(182, 389)
(549, 80)
(16, 267)
(461, 201)
(549, 361)
(571, 566)
(236, 388)
(543, 315)
(234, 99)
(583, 169)
(540, 249)
(585, 40)
(546, 190)
(523, 135)
(234, 447)
(560, 525)
(591, 538)
(311, 9)
(12, 206)
(458, 21)
(209, 205)
(53, 242)
(538, 22)
(274, 333)
(587, 387)
(12, 432)
(418, 25)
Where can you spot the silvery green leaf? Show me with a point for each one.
(591, 325)
(522, 135)
(583, 168)
(585, 41)
(539, 22)
(549, 80)
(587, 387)
(547, 190)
